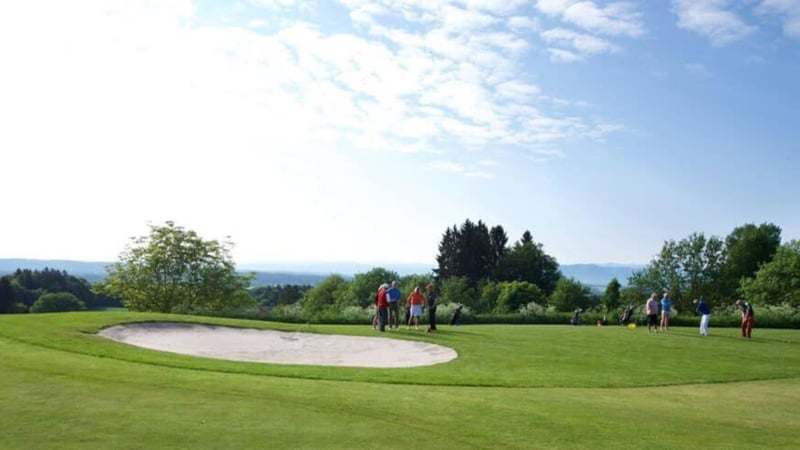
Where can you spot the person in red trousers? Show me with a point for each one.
(747, 317)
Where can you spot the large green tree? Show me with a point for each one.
(514, 294)
(324, 296)
(570, 294)
(688, 268)
(174, 269)
(361, 290)
(457, 290)
(748, 247)
(611, 297)
(527, 261)
(778, 281)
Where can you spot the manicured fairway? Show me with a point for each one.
(511, 387)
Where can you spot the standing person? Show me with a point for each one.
(652, 313)
(380, 301)
(393, 298)
(748, 317)
(702, 308)
(666, 310)
(432, 301)
(415, 301)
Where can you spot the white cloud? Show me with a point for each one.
(788, 9)
(229, 118)
(582, 44)
(616, 18)
(712, 19)
(554, 7)
(524, 23)
(563, 56)
(619, 18)
(613, 19)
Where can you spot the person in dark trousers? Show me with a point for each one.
(748, 317)
(651, 308)
(432, 301)
(380, 301)
(393, 299)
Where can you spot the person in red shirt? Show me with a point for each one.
(383, 305)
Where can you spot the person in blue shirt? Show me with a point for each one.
(701, 307)
(393, 297)
(666, 310)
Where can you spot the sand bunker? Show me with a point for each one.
(279, 347)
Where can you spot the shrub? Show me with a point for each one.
(57, 302)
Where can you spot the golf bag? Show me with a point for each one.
(626, 316)
(456, 317)
(576, 317)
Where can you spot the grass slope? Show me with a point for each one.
(511, 387)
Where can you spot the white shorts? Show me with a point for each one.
(416, 310)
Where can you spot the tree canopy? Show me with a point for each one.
(778, 281)
(480, 254)
(174, 269)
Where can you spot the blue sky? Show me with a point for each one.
(358, 130)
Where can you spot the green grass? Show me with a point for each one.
(511, 387)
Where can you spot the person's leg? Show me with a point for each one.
(392, 315)
(382, 319)
(749, 326)
(433, 318)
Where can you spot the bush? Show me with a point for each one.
(57, 302)
(532, 309)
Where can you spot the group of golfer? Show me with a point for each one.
(387, 302)
(701, 307)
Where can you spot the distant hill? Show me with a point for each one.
(596, 276)
(94, 271)
(91, 271)
(599, 274)
(345, 268)
(281, 278)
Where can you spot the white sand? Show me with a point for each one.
(247, 344)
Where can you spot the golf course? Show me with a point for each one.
(525, 386)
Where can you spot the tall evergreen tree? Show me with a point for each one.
(466, 251)
(447, 258)
(499, 242)
(7, 298)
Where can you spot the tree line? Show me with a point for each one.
(751, 263)
(48, 290)
(173, 269)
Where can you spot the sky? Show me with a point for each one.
(359, 130)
